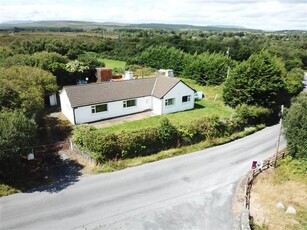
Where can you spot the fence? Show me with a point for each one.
(93, 162)
(270, 162)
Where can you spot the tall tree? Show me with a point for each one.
(208, 69)
(257, 81)
(23, 88)
(17, 133)
(295, 124)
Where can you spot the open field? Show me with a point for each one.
(110, 63)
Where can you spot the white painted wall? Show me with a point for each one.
(115, 109)
(178, 92)
(66, 108)
(157, 105)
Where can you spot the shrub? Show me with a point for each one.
(105, 144)
(167, 133)
(211, 127)
(188, 135)
(139, 143)
(295, 124)
(251, 115)
(80, 132)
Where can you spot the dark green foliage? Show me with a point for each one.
(208, 69)
(53, 62)
(17, 133)
(251, 115)
(23, 88)
(295, 124)
(162, 57)
(257, 81)
(293, 80)
(139, 143)
(105, 146)
(80, 132)
(211, 128)
(167, 133)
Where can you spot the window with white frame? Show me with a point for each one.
(99, 108)
(129, 103)
(169, 102)
(186, 98)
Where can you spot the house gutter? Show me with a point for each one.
(73, 110)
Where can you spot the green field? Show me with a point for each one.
(110, 63)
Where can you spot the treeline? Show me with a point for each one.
(207, 57)
(105, 146)
(290, 47)
(206, 68)
(16, 29)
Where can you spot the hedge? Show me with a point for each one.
(104, 146)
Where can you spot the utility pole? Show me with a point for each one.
(279, 134)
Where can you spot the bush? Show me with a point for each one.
(211, 127)
(139, 143)
(105, 146)
(295, 123)
(167, 133)
(80, 132)
(251, 115)
(291, 169)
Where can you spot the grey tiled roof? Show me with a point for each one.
(95, 93)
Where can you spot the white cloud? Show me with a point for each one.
(262, 14)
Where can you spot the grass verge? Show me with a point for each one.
(286, 184)
(111, 166)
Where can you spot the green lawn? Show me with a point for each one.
(110, 63)
(203, 108)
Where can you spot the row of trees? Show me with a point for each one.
(261, 80)
(206, 68)
(290, 47)
(67, 71)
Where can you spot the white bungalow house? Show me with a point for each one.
(98, 101)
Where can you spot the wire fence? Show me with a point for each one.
(83, 154)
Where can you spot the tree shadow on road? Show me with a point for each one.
(57, 172)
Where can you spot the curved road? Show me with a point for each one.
(192, 191)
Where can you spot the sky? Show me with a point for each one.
(255, 14)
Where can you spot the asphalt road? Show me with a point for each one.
(192, 191)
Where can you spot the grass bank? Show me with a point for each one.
(286, 184)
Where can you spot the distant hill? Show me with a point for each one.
(84, 25)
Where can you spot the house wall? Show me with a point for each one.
(177, 92)
(115, 109)
(157, 105)
(66, 108)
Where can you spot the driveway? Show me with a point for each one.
(192, 191)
